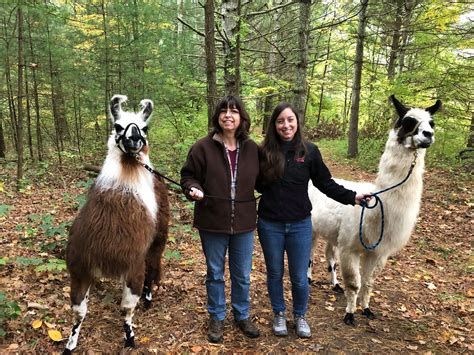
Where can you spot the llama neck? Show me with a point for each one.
(395, 164)
(128, 176)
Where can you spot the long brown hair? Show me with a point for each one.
(271, 158)
(230, 101)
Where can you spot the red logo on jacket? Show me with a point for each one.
(300, 160)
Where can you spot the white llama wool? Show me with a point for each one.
(339, 224)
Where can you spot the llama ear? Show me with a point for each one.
(116, 106)
(401, 109)
(432, 109)
(147, 109)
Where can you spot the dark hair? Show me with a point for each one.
(230, 101)
(271, 158)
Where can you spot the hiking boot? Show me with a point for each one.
(215, 332)
(279, 325)
(248, 328)
(302, 327)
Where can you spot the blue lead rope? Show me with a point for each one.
(378, 201)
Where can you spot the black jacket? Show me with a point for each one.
(286, 200)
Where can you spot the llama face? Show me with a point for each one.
(415, 127)
(130, 128)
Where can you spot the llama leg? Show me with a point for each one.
(331, 260)
(351, 277)
(310, 264)
(153, 269)
(130, 297)
(79, 297)
(371, 265)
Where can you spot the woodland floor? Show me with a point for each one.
(423, 298)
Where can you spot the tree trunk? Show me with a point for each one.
(28, 114)
(352, 149)
(394, 48)
(470, 141)
(107, 72)
(58, 139)
(301, 85)
(2, 139)
(326, 64)
(210, 46)
(19, 129)
(271, 64)
(231, 25)
(39, 138)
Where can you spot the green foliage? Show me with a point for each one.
(8, 310)
(52, 265)
(172, 254)
(4, 209)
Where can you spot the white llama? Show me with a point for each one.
(339, 224)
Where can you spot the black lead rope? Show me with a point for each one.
(378, 201)
(151, 170)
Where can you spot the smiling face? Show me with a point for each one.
(286, 124)
(229, 119)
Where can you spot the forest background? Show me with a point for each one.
(337, 61)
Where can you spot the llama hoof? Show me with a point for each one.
(129, 343)
(349, 319)
(67, 352)
(337, 288)
(368, 313)
(146, 303)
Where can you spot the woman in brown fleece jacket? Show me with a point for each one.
(220, 174)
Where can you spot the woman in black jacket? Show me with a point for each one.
(287, 162)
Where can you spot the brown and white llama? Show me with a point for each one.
(122, 229)
(339, 224)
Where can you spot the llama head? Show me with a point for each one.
(415, 126)
(130, 128)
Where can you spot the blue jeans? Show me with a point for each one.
(240, 247)
(295, 239)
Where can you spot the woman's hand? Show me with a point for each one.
(196, 194)
(363, 197)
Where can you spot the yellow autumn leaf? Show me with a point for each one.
(37, 323)
(55, 335)
(2, 186)
(144, 340)
(49, 325)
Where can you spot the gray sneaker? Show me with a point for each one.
(302, 327)
(279, 325)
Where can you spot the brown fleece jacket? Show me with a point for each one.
(207, 169)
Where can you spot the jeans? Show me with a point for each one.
(295, 239)
(240, 247)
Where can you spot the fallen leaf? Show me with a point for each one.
(49, 325)
(329, 308)
(144, 340)
(55, 335)
(430, 285)
(412, 347)
(376, 341)
(37, 323)
(196, 349)
(13, 346)
(402, 308)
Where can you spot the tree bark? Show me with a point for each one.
(39, 137)
(230, 10)
(107, 72)
(352, 149)
(395, 46)
(300, 86)
(210, 46)
(19, 129)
